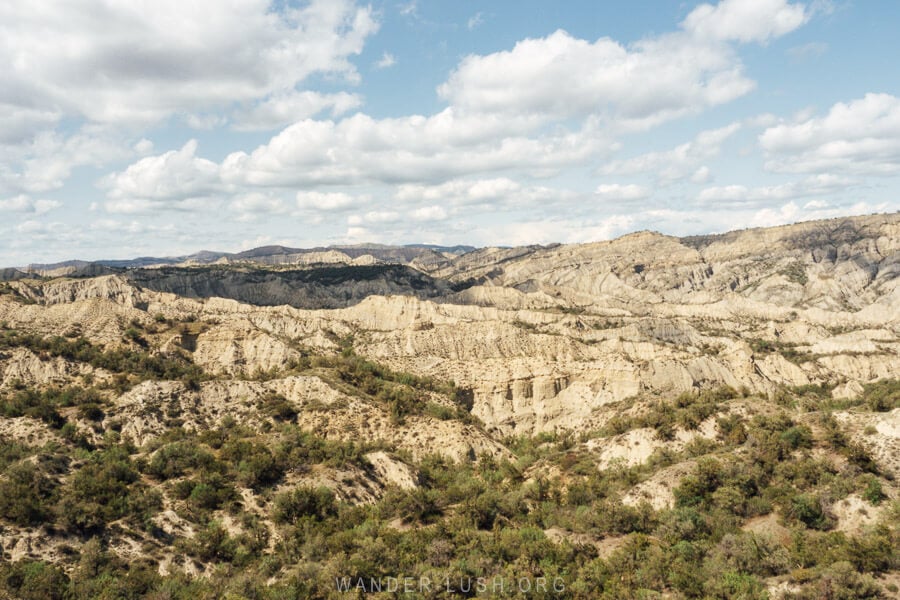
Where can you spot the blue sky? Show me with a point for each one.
(165, 128)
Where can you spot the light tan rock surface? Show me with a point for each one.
(555, 332)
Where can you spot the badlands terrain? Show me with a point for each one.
(714, 416)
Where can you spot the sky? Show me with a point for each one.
(135, 128)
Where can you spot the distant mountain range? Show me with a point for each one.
(273, 255)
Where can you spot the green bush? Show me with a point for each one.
(873, 492)
(302, 502)
(810, 511)
(735, 585)
(883, 395)
(99, 492)
(278, 407)
(36, 580)
(254, 463)
(176, 459)
(214, 543)
(26, 495)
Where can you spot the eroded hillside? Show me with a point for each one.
(709, 416)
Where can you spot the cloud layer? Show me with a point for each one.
(216, 124)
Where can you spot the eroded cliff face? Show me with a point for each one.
(550, 335)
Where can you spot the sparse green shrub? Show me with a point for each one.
(254, 463)
(873, 492)
(26, 495)
(99, 492)
(278, 407)
(810, 511)
(176, 459)
(883, 395)
(34, 580)
(213, 543)
(304, 502)
(735, 585)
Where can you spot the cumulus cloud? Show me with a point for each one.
(861, 137)
(26, 204)
(793, 212)
(374, 217)
(408, 149)
(329, 201)
(510, 111)
(634, 86)
(743, 195)
(175, 179)
(251, 205)
(701, 175)
(47, 160)
(429, 213)
(127, 62)
(511, 121)
(18, 124)
(745, 20)
(561, 76)
(285, 108)
(485, 194)
(422, 214)
(133, 227)
(625, 192)
(685, 160)
(552, 230)
(387, 60)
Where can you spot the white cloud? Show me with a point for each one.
(701, 175)
(475, 21)
(743, 195)
(807, 51)
(374, 217)
(745, 20)
(387, 60)
(253, 204)
(685, 160)
(261, 240)
(175, 179)
(483, 194)
(429, 213)
(33, 227)
(547, 104)
(552, 230)
(143, 147)
(18, 124)
(26, 204)
(205, 121)
(460, 191)
(355, 235)
(625, 192)
(47, 160)
(329, 201)
(862, 137)
(560, 76)
(129, 227)
(408, 149)
(285, 108)
(127, 62)
(794, 213)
